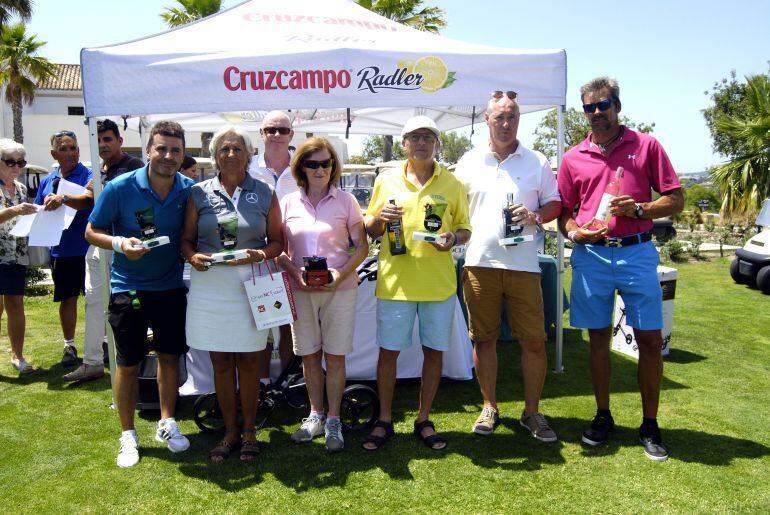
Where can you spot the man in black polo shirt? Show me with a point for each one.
(114, 162)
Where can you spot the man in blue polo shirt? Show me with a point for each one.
(146, 284)
(68, 258)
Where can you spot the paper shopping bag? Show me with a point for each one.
(271, 298)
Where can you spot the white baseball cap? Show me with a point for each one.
(420, 122)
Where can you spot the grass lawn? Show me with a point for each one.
(58, 443)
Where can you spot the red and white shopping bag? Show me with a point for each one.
(270, 297)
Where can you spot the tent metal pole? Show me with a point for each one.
(104, 257)
(559, 365)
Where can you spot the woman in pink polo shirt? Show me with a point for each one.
(320, 221)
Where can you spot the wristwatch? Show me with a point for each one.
(639, 211)
(65, 198)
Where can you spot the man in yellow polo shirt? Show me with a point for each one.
(432, 207)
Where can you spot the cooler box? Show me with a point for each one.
(623, 336)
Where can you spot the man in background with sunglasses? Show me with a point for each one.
(273, 169)
(494, 273)
(620, 255)
(68, 258)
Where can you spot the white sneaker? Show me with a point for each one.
(311, 427)
(128, 455)
(168, 433)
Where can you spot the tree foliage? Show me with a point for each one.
(697, 192)
(729, 99)
(408, 12)
(576, 129)
(453, 146)
(744, 180)
(10, 8)
(21, 68)
(190, 11)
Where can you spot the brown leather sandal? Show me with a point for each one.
(249, 448)
(224, 449)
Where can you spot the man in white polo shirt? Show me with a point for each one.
(495, 272)
(273, 169)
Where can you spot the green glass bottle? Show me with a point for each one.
(396, 235)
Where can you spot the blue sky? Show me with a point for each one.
(665, 54)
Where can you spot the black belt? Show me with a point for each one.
(625, 241)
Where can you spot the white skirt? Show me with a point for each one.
(218, 314)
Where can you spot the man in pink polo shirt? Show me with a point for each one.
(619, 255)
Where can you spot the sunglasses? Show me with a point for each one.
(415, 138)
(499, 94)
(64, 133)
(283, 131)
(602, 105)
(314, 165)
(10, 163)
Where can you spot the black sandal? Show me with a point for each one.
(224, 449)
(249, 448)
(378, 441)
(429, 440)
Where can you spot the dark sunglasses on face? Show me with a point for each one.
(64, 133)
(283, 131)
(499, 94)
(11, 163)
(602, 105)
(313, 165)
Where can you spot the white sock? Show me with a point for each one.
(319, 414)
(131, 432)
(69, 343)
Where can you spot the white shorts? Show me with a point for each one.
(325, 321)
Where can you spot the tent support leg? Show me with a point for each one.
(559, 365)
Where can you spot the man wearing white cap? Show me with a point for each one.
(501, 263)
(423, 212)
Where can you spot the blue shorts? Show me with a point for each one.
(395, 323)
(598, 271)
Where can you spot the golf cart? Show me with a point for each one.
(752, 263)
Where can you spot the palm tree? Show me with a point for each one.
(9, 8)
(20, 70)
(406, 12)
(191, 10)
(745, 180)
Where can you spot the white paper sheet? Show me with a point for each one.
(69, 188)
(44, 228)
(24, 224)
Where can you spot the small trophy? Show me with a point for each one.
(146, 220)
(228, 236)
(432, 223)
(316, 272)
(512, 230)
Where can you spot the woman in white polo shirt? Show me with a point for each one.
(321, 220)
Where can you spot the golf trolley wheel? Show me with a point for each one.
(207, 415)
(360, 407)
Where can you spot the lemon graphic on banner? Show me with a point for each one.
(434, 73)
(408, 64)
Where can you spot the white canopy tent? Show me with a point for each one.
(336, 66)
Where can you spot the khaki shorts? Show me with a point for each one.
(484, 290)
(325, 320)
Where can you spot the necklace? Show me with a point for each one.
(607, 144)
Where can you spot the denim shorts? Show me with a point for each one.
(597, 272)
(395, 323)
